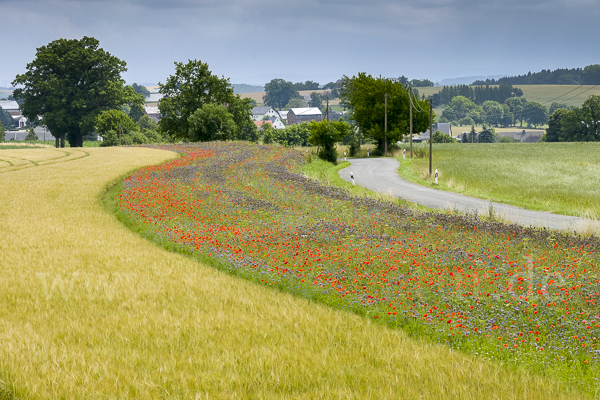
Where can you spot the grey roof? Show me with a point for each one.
(260, 110)
(9, 105)
(445, 127)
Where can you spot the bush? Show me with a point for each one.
(354, 147)
(441, 137)
(328, 153)
(31, 135)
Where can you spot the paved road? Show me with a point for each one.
(380, 175)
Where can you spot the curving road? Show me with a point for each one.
(380, 175)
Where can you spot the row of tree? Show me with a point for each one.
(415, 82)
(280, 94)
(589, 75)
(580, 124)
(477, 94)
(464, 112)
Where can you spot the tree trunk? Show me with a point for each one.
(57, 140)
(62, 141)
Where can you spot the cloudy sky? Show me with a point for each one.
(254, 41)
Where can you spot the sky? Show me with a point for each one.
(254, 41)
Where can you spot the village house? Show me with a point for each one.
(299, 115)
(445, 127)
(259, 113)
(277, 124)
(152, 111)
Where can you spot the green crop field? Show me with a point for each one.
(89, 309)
(557, 177)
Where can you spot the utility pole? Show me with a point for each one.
(410, 113)
(430, 133)
(385, 127)
(121, 133)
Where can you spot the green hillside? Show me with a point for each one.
(572, 95)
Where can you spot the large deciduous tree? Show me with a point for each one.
(535, 113)
(582, 124)
(516, 106)
(460, 107)
(193, 86)
(279, 92)
(555, 132)
(364, 95)
(69, 83)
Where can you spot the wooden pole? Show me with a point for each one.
(430, 133)
(410, 132)
(385, 127)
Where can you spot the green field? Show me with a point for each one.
(556, 177)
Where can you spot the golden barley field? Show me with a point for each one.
(88, 309)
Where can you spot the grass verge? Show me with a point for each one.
(555, 177)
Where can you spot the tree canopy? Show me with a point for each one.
(140, 89)
(6, 119)
(193, 86)
(316, 100)
(487, 136)
(69, 83)
(326, 134)
(461, 107)
(308, 85)
(579, 124)
(535, 113)
(279, 92)
(364, 96)
(114, 126)
(296, 102)
(211, 122)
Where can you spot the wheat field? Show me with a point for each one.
(88, 309)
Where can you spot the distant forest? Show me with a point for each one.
(589, 75)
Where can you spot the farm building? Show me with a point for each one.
(152, 111)
(283, 115)
(299, 115)
(12, 107)
(438, 126)
(258, 113)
